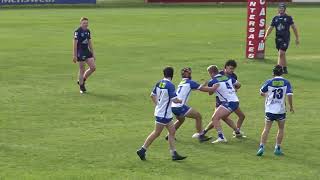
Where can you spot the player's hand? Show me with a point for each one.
(297, 42)
(74, 59)
(291, 110)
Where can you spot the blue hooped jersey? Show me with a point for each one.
(184, 89)
(164, 90)
(83, 37)
(282, 24)
(276, 89)
(225, 91)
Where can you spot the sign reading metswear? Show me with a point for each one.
(256, 29)
(17, 2)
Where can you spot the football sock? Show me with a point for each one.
(277, 146)
(220, 134)
(173, 152)
(238, 131)
(261, 146)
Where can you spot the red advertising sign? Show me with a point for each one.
(256, 29)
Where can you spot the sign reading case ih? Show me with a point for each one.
(22, 2)
(256, 24)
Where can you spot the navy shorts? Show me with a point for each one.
(231, 106)
(282, 43)
(180, 111)
(218, 102)
(275, 117)
(84, 55)
(163, 121)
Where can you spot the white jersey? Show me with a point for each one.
(276, 89)
(184, 89)
(225, 91)
(164, 90)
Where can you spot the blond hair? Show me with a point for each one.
(213, 69)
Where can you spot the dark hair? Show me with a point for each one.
(277, 70)
(231, 62)
(186, 69)
(168, 72)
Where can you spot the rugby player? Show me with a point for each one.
(182, 110)
(229, 69)
(162, 96)
(83, 52)
(275, 91)
(282, 22)
(229, 100)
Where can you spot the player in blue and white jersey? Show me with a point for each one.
(229, 101)
(163, 95)
(275, 91)
(182, 110)
(229, 69)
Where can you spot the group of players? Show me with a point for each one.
(223, 83)
(169, 101)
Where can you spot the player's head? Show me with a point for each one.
(277, 70)
(84, 22)
(230, 66)
(186, 72)
(282, 8)
(168, 72)
(213, 70)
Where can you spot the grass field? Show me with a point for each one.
(49, 131)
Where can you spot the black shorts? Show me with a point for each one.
(84, 55)
(282, 43)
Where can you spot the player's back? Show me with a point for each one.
(183, 91)
(225, 91)
(276, 90)
(164, 92)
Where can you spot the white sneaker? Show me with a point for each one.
(240, 135)
(195, 135)
(219, 140)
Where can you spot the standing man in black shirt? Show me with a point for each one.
(282, 22)
(83, 52)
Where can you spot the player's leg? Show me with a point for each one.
(171, 140)
(82, 67)
(92, 67)
(279, 138)
(241, 117)
(264, 136)
(194, 114)
(282, 61)
(180, 120)
(152, 136)
(219, 114)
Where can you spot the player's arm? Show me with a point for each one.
(296, 34)
(91, 48)
(290, 101)
(264, 89)
(154, 99)
(237, 85)
(211, 90)
(176, 100)
(74, 57)
(268, 32)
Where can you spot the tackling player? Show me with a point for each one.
(275, 91)
(182, 110)
(282, 22)
(229, 69)
(163, 95)
(227, 95)
(83, 52)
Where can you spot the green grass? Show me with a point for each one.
(49, 131)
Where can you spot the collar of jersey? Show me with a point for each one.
(278, 77)
(166, 79)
